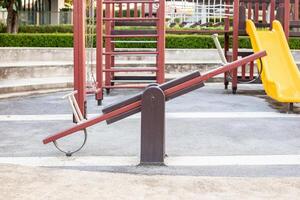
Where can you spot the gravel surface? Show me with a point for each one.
(19, 182)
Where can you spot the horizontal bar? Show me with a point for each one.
(131, 36)
(130, 19)
(131, 69)
(295, 24)
(294, 34)
(130, 52)
(197, 31)
(135, 23)
(134, 32)
(126, 86)
(134, 78)
(168, 92)
(137, 42)
(129, 1)
(133, 81)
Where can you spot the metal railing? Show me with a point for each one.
(41, 18)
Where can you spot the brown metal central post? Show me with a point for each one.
(153, 126)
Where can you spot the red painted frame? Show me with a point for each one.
(79, 54)
(258, 7)
(109, 54)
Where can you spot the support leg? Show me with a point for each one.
(226, 82)
(290, 108)
(153, 127)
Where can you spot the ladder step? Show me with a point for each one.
(133, 32)
(295, 24)
(131, 36)
(294, 34)
(131, 69)
(134, 79)
(135, 23)
(129, 1)
(131, 19)
(130, 52)
(121, 86)
(133, 41)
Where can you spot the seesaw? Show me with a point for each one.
(151, 104)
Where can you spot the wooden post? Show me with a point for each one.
(153, 126)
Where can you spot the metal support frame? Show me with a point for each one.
(79, 54)
(108, 74)
(262, 13)
(99, 53)
(160, 77)
(153, 126)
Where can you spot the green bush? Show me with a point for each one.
(172, 41)
(36, 40)
(42, 29)
(46, 29)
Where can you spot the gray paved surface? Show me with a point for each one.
(187, 137)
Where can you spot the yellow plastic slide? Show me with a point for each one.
(280, 74)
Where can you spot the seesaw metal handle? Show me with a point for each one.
(219, 48)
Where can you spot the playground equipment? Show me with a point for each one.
(151, 101)
(112, 15)
(148, 17)
(262, 13)
(151, 104)
(153, 30)
(280, 77)
(235, 14)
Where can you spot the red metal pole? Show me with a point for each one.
(99, 45)
(108, 46)
(167, 92)
(79, 54)
(272, 14)
(235, 42)
(160, 77)
(296, 7)
(286, 18)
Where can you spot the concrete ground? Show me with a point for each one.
(39, 183)
(248, 139)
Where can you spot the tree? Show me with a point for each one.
(12, 7)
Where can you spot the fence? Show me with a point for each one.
(41, 18)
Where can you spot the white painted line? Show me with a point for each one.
(71, 161)
(234, 160)
(58, 117)
(171, 115)
(253, 160)
(199, 115)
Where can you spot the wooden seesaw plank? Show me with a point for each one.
(168, 92)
